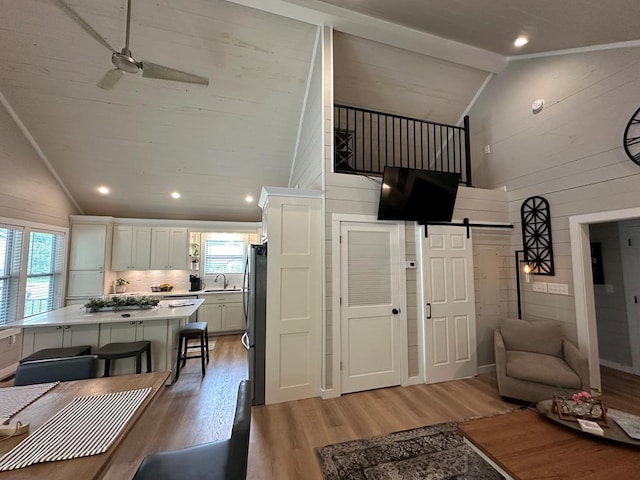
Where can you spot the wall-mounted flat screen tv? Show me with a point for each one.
(417, 195)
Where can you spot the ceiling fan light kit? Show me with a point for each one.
(124, 60)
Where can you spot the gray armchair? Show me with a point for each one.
(534, 361)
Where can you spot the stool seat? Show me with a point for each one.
(112, 351)
(191, 330)
(48, 353)
(194, 328)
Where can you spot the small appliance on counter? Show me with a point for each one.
(196, 283)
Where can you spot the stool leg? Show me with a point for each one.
(139, 362)
(107, 367)
(206, 336)
(149, 359)
(179, 353)
(202, 354)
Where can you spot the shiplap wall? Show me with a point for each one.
(611, 311)
(570, 153)
(29, 193)
(28, 190)
(307, 164)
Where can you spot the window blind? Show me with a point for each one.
(43, 291)
(10, 266)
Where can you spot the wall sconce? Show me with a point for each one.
(526, 269)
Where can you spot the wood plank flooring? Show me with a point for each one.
(283, 436)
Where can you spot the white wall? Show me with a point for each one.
(571, 153)
(307, 164)
(28, 190)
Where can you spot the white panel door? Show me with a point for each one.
(449, 309)
(370, 306)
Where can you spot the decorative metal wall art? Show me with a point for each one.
(536, 235)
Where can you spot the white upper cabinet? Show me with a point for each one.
(169, 248)
(131, 248)
(87, 250)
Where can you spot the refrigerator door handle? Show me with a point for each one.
(245, 341)
(245, 292)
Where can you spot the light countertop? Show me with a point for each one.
(77, 315)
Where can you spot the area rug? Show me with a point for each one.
(435, 452)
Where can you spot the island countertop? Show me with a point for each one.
(77, 315)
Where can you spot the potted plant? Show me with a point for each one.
(121, 285)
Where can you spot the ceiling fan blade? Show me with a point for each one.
(152, 70)
(110, 79)
(88, 28)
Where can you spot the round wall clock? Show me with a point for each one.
(632, 137)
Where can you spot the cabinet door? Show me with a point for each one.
(232, 317)
(75, 335)
(210, 313)
(85, 283)
(122, 248)
(34, 339)
(169, 248)
(119, 332)
(178, 249)
(141, 248)
(87, 247)
(160, 240)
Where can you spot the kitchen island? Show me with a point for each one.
(72, 326)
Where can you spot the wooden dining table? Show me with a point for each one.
(45, 407)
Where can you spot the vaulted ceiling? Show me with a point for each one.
(215, 144)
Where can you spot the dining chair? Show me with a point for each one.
(220, 460)
(56, 370)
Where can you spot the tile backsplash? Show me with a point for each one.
(141, 280)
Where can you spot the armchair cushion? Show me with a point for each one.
(539, 368)
(537, 337)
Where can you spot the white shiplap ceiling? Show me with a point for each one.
(146, 138)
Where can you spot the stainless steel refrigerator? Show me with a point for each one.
(255, 314)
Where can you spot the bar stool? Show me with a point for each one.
(47, 353)
(112, 351)
(193, 330)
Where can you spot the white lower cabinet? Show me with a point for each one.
(34, 339)
(223, 312)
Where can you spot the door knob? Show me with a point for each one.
(395, 311)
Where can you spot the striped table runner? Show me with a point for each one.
(86, 426)
(14, 399)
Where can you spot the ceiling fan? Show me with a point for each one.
(124, 61)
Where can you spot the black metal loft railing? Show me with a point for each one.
(366, 141)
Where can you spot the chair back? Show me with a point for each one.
(538, 336)
(239, 443)
(56, 370)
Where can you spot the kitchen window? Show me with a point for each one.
(224, 254)
(31, 271)
(10, 267)
(44, 273)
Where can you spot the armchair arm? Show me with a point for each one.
(500, 357)
(578, 362)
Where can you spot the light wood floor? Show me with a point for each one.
(283, 436)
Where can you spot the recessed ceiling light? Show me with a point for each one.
(248, 199)
(521, 41)
(175, 195)
(103, 190)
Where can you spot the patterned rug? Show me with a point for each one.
(435, 452)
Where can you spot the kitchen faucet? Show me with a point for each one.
(224, 277)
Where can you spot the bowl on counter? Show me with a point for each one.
(161, 288)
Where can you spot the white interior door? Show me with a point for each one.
(449, 304)
(630, 248)
(371, 313)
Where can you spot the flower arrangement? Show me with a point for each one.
(121, 282)
(579, 405)
(116, 303)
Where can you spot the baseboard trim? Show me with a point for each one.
(487, 369)
(326, 393)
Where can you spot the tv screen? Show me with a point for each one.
(417, 195)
